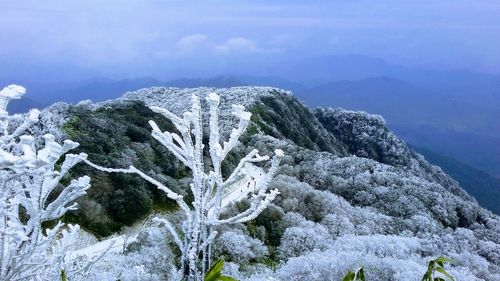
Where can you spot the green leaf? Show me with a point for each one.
(226, 278)
(360, 275)
(444, 259)
(63, 275)
(214, 273)
(427, 275)
(349, 276)
(441, 270)
(439, 279)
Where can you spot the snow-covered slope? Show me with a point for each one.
(352, 193)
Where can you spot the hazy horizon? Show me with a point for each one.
(58, 40)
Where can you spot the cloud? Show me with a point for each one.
(202, 44)
(237, 44)
(191, 42)
(98, 37)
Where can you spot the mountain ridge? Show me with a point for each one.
(345, 176)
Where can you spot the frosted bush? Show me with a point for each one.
(195, 235)
(32, 194)
(148, 258)
(237, 246)
(382, 257)
(298, 240)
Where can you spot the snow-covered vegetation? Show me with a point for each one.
(352, 194)
(32, 195)
(202, 215)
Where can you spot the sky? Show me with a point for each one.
(132, 38)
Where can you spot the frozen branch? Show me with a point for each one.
(207, 187)
(28, 176)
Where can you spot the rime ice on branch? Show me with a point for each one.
(197, 232)
(28, 177)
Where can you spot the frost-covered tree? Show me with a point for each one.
(203, 215)
(240, 247)
(146, 258)
(31, 194)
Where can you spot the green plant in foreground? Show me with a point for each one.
(437, 265)
(215, 273)
(355, 276)
(63, 275)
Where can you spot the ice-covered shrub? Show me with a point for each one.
(147, 258)
(196, 234)
(237, 246)
(32, 194)
(306, 236)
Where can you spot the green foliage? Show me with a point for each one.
(258, 113)
(252, 130)
(231, 161)
(131, 204)
(215, 273)
(355, 276)
(270, 263)
(437, 265)
(285, 117)
(63, 275)
(271, 219)
(118, 136)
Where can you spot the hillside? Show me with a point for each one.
(43, 94)
(352, 193)
(410, 105)
(460, 112)
(459, 121)
(480, 151)
(485, 188)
